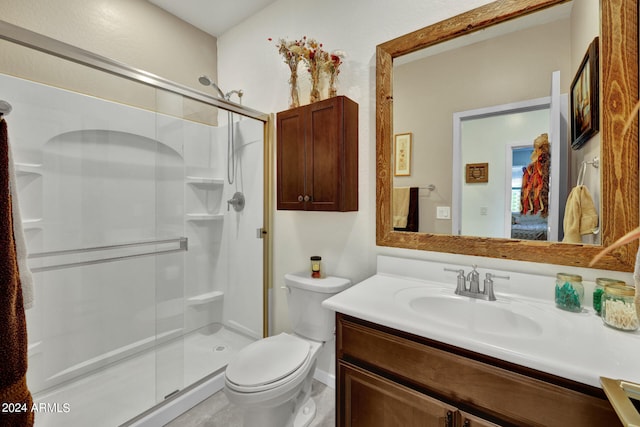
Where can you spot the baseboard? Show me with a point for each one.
(326, 378)
(172, 408)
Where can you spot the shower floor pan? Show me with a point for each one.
(119, 392)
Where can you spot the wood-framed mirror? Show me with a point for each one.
(618, 44)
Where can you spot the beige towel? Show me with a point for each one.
(400, 206)
(580, 216)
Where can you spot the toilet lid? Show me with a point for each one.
(267, 360)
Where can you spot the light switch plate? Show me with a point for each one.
(443, 212)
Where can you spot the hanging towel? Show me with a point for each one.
(400, 206)
(13, 328)
(580, 216)
(26, 277)
(413, 215)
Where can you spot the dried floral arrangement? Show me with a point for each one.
(318, 62)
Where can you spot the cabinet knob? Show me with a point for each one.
(307, 198)
(467, 423)
(300, 198)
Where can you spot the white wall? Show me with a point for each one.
(134, 32)
(247, 60)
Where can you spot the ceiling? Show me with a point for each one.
(213, 16)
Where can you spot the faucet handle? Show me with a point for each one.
(462, 280)
(488, 285)
(473, 272)
(495, 276)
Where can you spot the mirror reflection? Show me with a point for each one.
(488, 119)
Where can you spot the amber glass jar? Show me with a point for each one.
(316, 267)
(618, 307)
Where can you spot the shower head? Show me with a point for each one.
(206, 81)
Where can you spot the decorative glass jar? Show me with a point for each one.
(569, 292)
(618, 307)
(601, 282)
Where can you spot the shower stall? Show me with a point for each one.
(147, 280)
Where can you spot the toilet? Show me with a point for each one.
(270, 379)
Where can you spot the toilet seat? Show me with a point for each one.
(268, 363)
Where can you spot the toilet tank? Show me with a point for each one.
(305, 295)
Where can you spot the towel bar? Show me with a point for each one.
(182, 241)
(595, 163)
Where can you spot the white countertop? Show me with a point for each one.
(577, 346)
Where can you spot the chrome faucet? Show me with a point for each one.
(474, 280)
(473, 291)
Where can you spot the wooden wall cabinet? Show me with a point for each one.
(317, 156)
(389, 378)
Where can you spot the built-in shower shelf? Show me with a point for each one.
(206, 298)
(204, 217)
(31, 223)
(201, 180)
(28, 168)
(34, 348)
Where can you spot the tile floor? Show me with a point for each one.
(216, 411)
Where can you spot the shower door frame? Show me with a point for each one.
(48, 45)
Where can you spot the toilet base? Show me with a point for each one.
(306, 414)
(281, 416)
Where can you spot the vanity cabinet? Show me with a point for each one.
(391, 378)
(317, 156)
(373, 401)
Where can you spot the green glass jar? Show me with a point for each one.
(598, 290)
(569, 292)
(618, 307)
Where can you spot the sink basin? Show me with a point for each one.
(503, 318)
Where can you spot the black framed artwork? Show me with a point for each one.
(585, 115)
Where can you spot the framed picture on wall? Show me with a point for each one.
(585, 115)
(402, 154)
(476, 172)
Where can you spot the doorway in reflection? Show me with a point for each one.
(523, 225)
(503, 136)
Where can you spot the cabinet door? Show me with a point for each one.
(368, 400)
(291, 159)
(324, 164)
